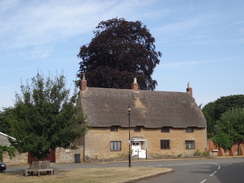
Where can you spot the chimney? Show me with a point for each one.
(135, 85)
(83, 83)
(189, 89)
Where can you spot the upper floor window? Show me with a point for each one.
(165, 129)
(114, 128)
(137, 129)
(189, 130)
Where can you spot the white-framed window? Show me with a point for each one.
(190, 144)
(115, 145)
(165, 144)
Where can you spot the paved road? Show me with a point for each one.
(224, 170)
(229, 170)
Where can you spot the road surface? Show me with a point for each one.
(216, 170)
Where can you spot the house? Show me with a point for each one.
(156, 123)
(162, 124)
(4, 139)
(17, 159)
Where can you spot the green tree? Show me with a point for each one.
(120, 51)
(4, 125)
(213, 110)
(223, 140)
(45, 117)
(208, 111)
(232, 124)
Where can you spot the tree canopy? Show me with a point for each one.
(232, 123)
(4, 125)
(230, 128)
(44, 117)
(223, 140)
(213, 110)
(120, 51)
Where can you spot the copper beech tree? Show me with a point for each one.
(119, 51)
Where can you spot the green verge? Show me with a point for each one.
(89, 175)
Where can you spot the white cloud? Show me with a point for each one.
(7, 4)
(180, 65)
(35, 52)
(179, 27)
(30, 23)
(35, 23)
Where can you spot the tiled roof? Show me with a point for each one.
(105, 107)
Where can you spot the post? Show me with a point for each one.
(129, 165)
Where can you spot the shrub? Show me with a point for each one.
(9, 149)
(197, 153)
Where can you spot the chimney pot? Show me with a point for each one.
(135, 85)
(189, 89)
(83, 83)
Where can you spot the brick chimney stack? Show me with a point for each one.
(189, 89)
(135, 85)
(83, 83)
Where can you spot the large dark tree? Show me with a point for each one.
(120, 51)
(45, 116)
(213, 110)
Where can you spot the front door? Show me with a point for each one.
(137, 151)
(136, 147)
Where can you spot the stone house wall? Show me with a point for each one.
(97, 142)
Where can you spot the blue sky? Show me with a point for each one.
(202, 41)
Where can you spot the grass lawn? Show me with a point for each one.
(87, 175)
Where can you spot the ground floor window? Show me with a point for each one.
(190, 144)
(165, 144)
(115, 145)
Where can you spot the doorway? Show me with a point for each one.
(136, 148)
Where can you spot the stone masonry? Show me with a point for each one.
(177, 137)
